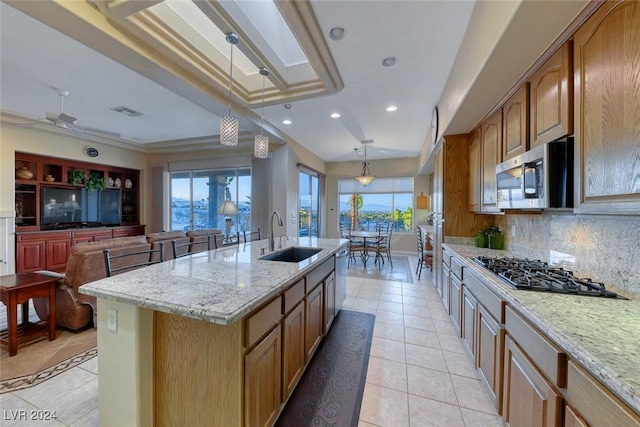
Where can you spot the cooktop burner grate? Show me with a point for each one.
(536, 275)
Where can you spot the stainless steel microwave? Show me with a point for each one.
(540, 178)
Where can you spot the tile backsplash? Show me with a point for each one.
(605, 249)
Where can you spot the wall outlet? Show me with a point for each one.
(112, 320)
(513, 231)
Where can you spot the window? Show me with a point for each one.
(384, 200)
(309, 205)
(196, 197)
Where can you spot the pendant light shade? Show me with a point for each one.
(365, 177)
(229, 127)
(261, 145)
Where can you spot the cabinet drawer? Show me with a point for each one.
(490, 301)
(260, 322)
(316, 276)
(550, 359)
(456, 267)
(293, 295)
(597, 405)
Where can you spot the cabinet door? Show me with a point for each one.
(455, 296)
(262, 381)
(58, 254)
(475, 170)
(445, 290)
(313, 320)
(491, 156)
(329, 302)
(469, 307)
(529, 400)
(571, 419)
(551, 102)
(490, 350)
(607, 151)
(293, 349)
(30, 256)
(515, 126)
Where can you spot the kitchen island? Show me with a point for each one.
(214, 338)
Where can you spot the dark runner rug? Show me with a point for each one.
(330, 391)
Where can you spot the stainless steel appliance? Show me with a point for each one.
(535, 275)
(540, 178)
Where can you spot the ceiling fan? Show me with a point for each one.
(68, 123)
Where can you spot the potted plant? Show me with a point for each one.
(75, 177)
(95, 182)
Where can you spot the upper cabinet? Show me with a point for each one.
(475, 170)
(515, 126)
(551, 98)
(607, 147)
(491, 156)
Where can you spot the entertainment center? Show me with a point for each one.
(60, 203)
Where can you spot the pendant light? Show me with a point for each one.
(365, 177)
(261, 145)
(229, 125)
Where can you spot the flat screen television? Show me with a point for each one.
(62, 207)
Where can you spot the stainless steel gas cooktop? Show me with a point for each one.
(535, 275)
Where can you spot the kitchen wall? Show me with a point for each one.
(603, 248)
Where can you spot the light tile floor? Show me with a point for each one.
(418, 372)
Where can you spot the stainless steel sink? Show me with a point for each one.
(292, 254)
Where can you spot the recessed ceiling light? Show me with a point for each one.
(335, 115)
(337, 33)
(391, 108)
(286, 122)
(389, 61)
(287, 106)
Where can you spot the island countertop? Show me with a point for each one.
(218, 286)
(600, 333)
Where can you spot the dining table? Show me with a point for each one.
(372, 236)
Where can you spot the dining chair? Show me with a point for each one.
(180, 249)
(122, 262)
(382, 245)
(251, 236)
(425, 254)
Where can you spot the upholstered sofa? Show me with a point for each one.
(200, 238)
(86, 264)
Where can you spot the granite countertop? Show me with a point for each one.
(219, 286)
(602, 334)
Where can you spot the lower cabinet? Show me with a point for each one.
(262, 381)
(469, 307)
(329, 301)
(455, 296)
(314, 326)
(571, 419)
(594, 405)
(489, 354)
(30, 255)
(445, 291)
(293, 355)
(529, 399)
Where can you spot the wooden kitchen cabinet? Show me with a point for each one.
(529, 399)
(551, 101)
(57, 254)
(263, 381)
(489, 354)
(491, 156)
(30, 255)
(571, 419)
(329, 302)
(455, 301)
(314, 327)
(515, 125)
(596, 405)
(42, 251)
(475, 170)
(293, 356)
(469, 317)
(607, 150)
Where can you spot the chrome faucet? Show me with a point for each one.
(280, 242)
(272, 239)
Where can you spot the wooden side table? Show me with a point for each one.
(19, 289)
